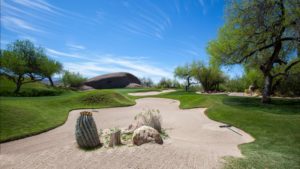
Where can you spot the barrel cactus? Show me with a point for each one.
(86, 131)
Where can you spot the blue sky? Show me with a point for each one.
(146, 38)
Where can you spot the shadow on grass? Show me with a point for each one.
(277, 106)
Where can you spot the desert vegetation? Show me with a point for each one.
(263, 34)
(22, 62)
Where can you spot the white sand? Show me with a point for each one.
(152, 93)
(195, 142)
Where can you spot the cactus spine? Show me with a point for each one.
(86, 131)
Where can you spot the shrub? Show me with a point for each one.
(71, 79)
(150, 118)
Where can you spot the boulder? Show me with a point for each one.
(113, 80)
(146, 134)
(133, 85)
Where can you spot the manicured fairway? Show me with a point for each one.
(275, 127)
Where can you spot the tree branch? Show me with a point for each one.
(286, 69)
(8, 76)
(31, 81)
(268, 46)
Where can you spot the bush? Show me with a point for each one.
(150, 118)
(71, 79)
(237, 84)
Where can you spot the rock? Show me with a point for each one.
(133, 85)
(84, 87)
(146, 134)
(113, 80)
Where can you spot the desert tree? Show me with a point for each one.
(13, 67)
(147, 82)
(262, 32)
(72, 79)
(48, 67)
(22, 63)
(210, 77)
(185, 72)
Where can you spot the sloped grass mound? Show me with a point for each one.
(25, 116)
(34, 89)
(105, 97)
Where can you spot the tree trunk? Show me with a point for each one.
(267, 89)
(18, 84)
(115, 138)
(188, 84)
(51, 82)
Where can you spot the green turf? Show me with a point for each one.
(276, 127)
(7, 88)
(24, 116)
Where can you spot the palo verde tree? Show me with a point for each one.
(263, 32)
(22, 63)
(185, 72)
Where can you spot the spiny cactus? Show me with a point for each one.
(86, 131)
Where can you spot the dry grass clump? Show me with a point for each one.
(150, 118)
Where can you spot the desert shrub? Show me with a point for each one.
(71, 79)
(146, 82)
(104, 97)
(150, 118)
(39, 92)
(289, 86)
(164, 83)
(237, 84)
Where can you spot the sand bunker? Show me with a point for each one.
(195, 142)
(151, 93)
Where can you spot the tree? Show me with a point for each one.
(48, 67)
(71, 79)
(164, 83)
(210, 77)
(185, 72)
(14, 67)
(260, 32)
(147, 82)
(22, 62)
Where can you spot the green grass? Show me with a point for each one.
(276, 127)
(24, 116)
(7, 88)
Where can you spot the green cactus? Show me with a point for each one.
(86, 131)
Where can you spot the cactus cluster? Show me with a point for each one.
(86, 131)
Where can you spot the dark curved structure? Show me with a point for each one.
(113, 80)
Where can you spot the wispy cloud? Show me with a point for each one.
(138, 66)
(108, 63)
(149, 22)
(56, 53)
(31, 17)
(38, 5)
(203, 6)
(75, 46)
(15, 24)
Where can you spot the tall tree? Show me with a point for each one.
(261, 32)
(185, 72)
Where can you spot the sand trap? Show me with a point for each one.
(151, 93)
(195, 142)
